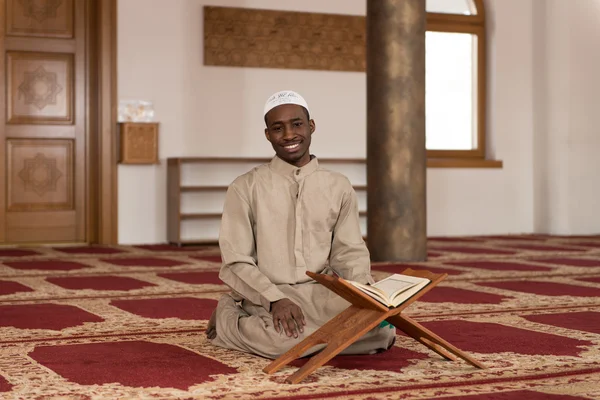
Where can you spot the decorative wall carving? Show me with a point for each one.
(40, 174)
(40, 88)
(282, 39)
(44, 18)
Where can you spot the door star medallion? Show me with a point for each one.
(40, 174)
(40, 10)
(40, 88)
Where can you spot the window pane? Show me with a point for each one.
(450, 96)
(465, 7)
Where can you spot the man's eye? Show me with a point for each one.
(298, 124)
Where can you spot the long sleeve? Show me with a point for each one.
(238, 251)
(349, 254)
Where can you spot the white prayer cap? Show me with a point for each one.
(284, 97)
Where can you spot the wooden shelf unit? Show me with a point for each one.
(179, 186)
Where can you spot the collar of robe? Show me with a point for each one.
(287, 169)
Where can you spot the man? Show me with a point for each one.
(280, 220)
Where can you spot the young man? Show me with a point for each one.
(280, 220)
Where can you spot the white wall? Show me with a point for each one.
(552, 103)
(567, 84)
(584, 135)
(216, 111)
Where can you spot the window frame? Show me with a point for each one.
(475, 25)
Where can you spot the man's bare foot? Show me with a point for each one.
(211, 328)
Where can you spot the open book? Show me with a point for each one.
(393, 290)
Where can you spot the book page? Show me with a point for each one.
(373, 292)
(395, 284)
(394, 289)
(407, 294)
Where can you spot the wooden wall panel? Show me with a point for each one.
(40, 88)
(42, 18)
(40, 175)
(245, 37)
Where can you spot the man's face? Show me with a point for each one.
(289, 131)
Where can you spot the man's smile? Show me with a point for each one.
(291, 147)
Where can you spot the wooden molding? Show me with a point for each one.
(2, 134)
(55, 68)
(106, 11)
(54, 20)
(463, 163)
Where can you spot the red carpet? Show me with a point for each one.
(128, 322)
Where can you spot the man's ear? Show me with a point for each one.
(267, 134)
(312, 125)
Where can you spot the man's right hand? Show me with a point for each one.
(290, 316)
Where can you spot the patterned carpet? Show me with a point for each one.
(128, 322)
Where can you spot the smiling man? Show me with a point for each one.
(280, 220)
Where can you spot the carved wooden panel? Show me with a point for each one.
(39, 174)
(282, 39)
(39, 88)
(43, 18)
(139, 143)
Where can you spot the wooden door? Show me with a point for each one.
(44, 124)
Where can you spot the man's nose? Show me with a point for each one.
(288, 132)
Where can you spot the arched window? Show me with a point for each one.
(455, 79)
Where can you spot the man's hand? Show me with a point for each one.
(290, 316)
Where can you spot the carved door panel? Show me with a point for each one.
(43, 121)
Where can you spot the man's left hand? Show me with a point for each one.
(290, 315)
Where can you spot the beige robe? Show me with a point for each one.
(280, 221)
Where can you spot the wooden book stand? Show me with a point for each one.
(364, 314)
